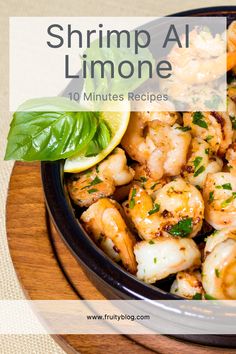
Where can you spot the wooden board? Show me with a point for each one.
(47, 270)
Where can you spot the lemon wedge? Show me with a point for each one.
(117, 120)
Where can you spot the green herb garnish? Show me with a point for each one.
(154, 185)
(93, 190)
(155, 260)
(199, 171)
(132, 201)
(209, 297)
(229, 200)
(227, 186)
(197, 161)
(49, 135)
(184, 129)
(198, 119)
(209, 137)
(217, 273)
(197, 296)
(151, 242)
(233, 121)
(95, 181)
(211, 197)
(183, 228)
(155, 209)
(207, 151)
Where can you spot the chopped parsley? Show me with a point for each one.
(93, 190)
(229, 200)
(211, 197)
(199, 171)
(132, 201)
(197, 161)
(155, 209)
(209, 137)
(183, 228)
(207, 151)
(184, 129)
(151, 242)
(197, 296)
(95, 181)
(217, 273)
(227, 186)
(143, 179)
(233, 121)
(154, 185)
(198, 119)
(155, 260)
(198, 187)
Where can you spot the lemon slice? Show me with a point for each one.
(117, 120)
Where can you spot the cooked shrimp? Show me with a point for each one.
(87, 187)
(163, 256)
(231, 45)
(134, 141)
(219, 194)
(177, 210)
(219, 267)
(203, 60)
(187, 284)
(170, 152)
(214, 127)
(218, 237)
(231, 157)
(201, 162)
(143, 178)
(104, 222)
(231, 37)
(162, 148)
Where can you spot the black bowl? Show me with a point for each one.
(108, 277)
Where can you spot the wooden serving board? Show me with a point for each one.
(48, 271)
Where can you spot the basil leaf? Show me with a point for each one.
(100, 140)
(197, 296)
(183, 228)
(209, 297)
(49, 135)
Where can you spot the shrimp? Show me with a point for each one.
(200, 163)
(187, 284)
(219, 194)
(231, 157)
(203, 61)
(219, 267)
(171, 148)
(87, 187)
(231, 46)
(104, 221)
(162, 148)
(143, 178)
(231, 37)
(214, 127)
(163, 256)
(177, 210)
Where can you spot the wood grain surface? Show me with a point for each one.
(47, 270)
